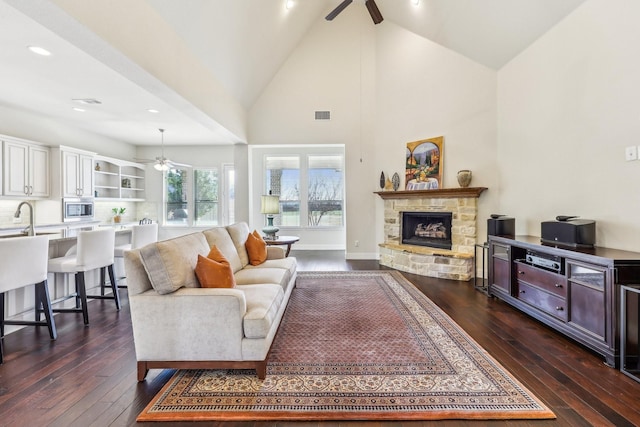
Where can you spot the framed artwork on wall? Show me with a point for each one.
(424, 164)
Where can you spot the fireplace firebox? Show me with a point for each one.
(431, 229)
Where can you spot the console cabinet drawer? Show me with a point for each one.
(544, 301)
(547, 280)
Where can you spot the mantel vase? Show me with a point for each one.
(464, 178)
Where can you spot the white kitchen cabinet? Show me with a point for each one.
(71, 172)
(118, 179)
(26, 169)
(77, 174)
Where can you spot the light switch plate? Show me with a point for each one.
(631, 153)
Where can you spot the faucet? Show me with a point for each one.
(31, 231)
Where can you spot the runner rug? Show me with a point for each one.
(360, 345)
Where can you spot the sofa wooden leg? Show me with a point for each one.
(142, 371)
(261, 370)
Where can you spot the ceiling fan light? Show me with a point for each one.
(161, 166)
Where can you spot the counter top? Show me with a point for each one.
(62, 231)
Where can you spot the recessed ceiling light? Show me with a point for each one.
(289, 4)
(39, 50)
(87, 101)
(152, 110)
(80, 110)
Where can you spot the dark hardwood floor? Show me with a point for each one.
(87, 377)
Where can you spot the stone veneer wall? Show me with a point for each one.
(454, 264)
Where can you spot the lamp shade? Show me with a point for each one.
(270, 205)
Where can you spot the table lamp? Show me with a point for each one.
(270, 205)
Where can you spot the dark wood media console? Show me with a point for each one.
(579, 297)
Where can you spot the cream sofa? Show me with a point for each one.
(206, 328)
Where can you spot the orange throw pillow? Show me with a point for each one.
(256, 248)
(214, 271)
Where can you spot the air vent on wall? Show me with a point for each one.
(323, 115)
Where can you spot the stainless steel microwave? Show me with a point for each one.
(77, 209)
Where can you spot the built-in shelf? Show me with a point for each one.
(116, 179)
(439, 193)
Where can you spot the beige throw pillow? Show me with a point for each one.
(170, 264)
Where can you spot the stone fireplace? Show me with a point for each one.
(431, 232)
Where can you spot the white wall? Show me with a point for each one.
(385, 87)
(568, 106)
(424, 90)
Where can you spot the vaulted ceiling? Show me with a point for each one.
(136, 55)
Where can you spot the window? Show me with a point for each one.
(205, 182)
(176, 208)
(229, 194)
(316, 179)
(324, 196)
(283, 179)
(191, 204)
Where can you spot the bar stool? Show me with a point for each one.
(94, 250)
(23, 262)
(141, 235)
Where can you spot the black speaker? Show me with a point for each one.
(501, 225)
(577, 233)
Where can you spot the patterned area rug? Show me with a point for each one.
(362, 345)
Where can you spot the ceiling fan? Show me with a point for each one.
(162, 163)
(371, 7)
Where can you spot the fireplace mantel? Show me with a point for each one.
(426, 194)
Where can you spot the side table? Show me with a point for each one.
(283, 240)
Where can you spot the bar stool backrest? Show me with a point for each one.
(143, 234)
(23, 261)
(95, 249)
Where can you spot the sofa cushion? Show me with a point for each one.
(251, 276)
(256, 248)
(171, 263)
(219, 236)
(239, 233)
(288, 263)
(214, 271)
(263, 304)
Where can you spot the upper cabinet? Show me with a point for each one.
(77, 174)
(25, 169)
(72, 172)
(118, 179)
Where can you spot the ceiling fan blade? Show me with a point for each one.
(139, 160)
(374, 11)
(184, 165)
(335, 12)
